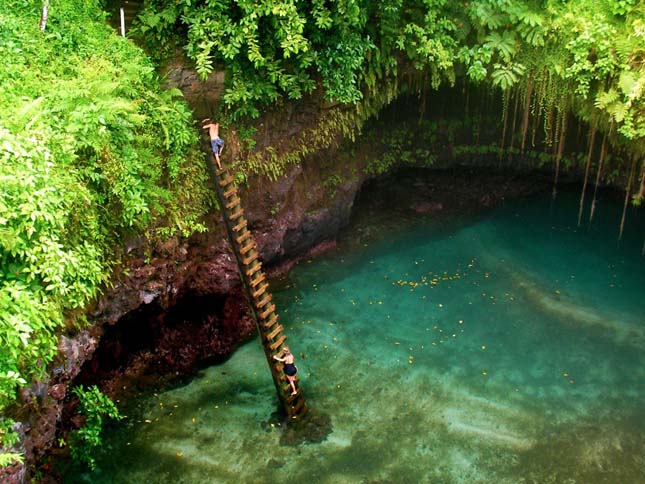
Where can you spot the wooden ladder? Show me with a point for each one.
(257, 288)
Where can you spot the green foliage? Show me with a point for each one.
(91, 150)
(506, 76)
(9, 458)
(8, 437)
(593, 48)
(398, 147)
(95, 406)
(331, 183)
(622, 7)
(332, 125)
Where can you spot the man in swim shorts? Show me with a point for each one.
(217, 143)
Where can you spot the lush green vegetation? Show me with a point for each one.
(91, 150)
(95, 407)
(549, 57)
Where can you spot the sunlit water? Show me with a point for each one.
(502, 349)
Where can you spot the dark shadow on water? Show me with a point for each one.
(313, 428)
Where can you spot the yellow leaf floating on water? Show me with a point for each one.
(179, 454)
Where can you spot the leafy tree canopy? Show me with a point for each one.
(585, 54)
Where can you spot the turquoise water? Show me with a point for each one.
(502, 348)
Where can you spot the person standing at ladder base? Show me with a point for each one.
(290, 369)
(217, 143)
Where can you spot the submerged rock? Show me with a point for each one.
(313, 428)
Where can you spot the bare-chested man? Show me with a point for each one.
(217, 143)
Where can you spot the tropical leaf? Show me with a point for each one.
(505, 76)
(504, 44)
(627, 81)
(488, 17)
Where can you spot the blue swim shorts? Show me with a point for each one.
(216, 144)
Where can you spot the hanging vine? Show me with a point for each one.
(592, 139)
(628, 189)
(603, 153)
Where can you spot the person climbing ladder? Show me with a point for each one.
(290, 369)
(217, 143)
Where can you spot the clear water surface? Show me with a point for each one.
(504, 348)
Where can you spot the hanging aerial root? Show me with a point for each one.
(527, 111)
(603, 152)
(592, 138)
(515, 108)
(558, 157)
(641, 192)
(627, 194)
(507, 98)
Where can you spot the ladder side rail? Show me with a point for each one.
(286, 400)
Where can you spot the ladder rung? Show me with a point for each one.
(238, 213)
(226, 181)
(287, 388)
(233, 203)
(275, 331)
(255, 268)
(247, 247)
(229, 192)
(263, 302)
(252, 256)
(257, 280)
(300, 405)
(292, 398)
(240, 226)
(278, 342)
(245, 235)
(268, 311)
(260, 290)
(272, 320)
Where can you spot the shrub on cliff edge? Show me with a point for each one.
(91, 149)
